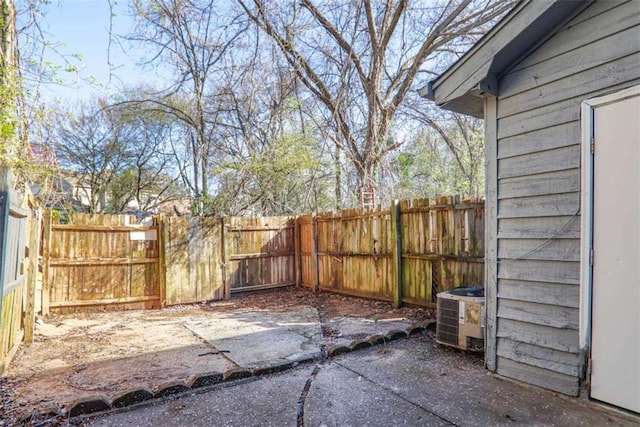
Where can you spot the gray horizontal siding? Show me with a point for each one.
(600, 20)
(562, 181)
(538, 164)
(567, 384)
(609, 74)
(547, 205)
(529, 121)
(546, 138)
(560, 227)
(541, 357)
(540, 271)
(554, 114)
(559, 294)
(573, 62)
(540, 314)
(540, 249)
(544, 336)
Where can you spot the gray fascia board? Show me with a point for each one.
(427, 91)
(525, 39)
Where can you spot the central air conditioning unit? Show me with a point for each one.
(461, 318)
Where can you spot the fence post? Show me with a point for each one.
(46, 249)
(396, 225)
(32, 275)
(296, 252)
(5, 205)
(162, 263)
(5, 188)
(316, 264)
(223, 261)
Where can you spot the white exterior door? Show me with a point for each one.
(615, 315)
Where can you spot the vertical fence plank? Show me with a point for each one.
(162, 260)
(46, 259)
(5, 205)
(296, 252)
(396, 227)
(316, 265)
(226, 289)
(32, 275)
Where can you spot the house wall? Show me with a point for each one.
(536, 131)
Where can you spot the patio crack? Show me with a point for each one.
(396, 394)
(215, 350)
(303, 395)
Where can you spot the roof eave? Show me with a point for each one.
(528, 23)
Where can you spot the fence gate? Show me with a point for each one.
(194, 259)
(101, 261)
(260, 253)
(13, 241)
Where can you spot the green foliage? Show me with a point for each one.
(405, 162)
(429, 167)
(273, 179)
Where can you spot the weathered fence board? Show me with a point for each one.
(308, 259)
(193, 260)
(355, 253)
(438, 245)
(35, 223)
(103, 262)
(260, 252)
(13, 274)
(404, 254)
(443, 246)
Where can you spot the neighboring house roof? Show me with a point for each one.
(522, 30)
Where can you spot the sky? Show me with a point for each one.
(82, 27)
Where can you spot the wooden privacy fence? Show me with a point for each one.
(211, 258)
(19, 241)
(406, 254)
(116, 261)
(101, 261)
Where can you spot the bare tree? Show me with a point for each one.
(115, 155)
(462, 135)
(360, 58)
(190, 39)
(269, 160)
(92, 146)
(444, 155)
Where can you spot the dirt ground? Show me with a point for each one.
(329, 306)
(81, 360)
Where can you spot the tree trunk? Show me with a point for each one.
(368, 183)
(8, 81)
(337, 165)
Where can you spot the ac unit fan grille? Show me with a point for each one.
(447, 327)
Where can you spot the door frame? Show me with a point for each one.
(587, 115)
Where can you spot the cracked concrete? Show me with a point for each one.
(254, 338)
(99, 357)
(409, 382)
(191, 366)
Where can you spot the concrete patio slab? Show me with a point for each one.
(340, 397)
(409, 382)
(77, 357)
(266, 402)
(348, 329)
(256, 338)
(214, 365)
